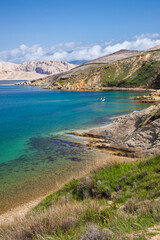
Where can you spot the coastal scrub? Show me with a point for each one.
(120, 201)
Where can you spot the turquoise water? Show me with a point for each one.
(34, 144)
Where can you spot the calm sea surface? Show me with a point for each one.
(35, 149)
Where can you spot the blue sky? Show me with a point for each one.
(44, 25)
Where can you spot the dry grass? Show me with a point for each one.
(144, 207)
(104, 161)
(61, 216)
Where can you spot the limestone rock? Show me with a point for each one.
(136, 134)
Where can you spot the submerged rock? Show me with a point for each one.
(75, 159)
(50, 159)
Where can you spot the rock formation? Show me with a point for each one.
(150, 98)
(136, 134)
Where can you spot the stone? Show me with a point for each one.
(133, 135)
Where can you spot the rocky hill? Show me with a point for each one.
(119, 55)
(32, 70)
(128, 69)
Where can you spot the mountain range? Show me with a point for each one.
(32, 69)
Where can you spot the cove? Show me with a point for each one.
(35, 150)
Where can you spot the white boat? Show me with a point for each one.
(103, 99)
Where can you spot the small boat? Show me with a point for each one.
(103, 99)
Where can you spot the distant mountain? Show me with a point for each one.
(32, 70)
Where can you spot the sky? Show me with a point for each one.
(72, 30)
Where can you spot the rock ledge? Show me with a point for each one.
(134, 135)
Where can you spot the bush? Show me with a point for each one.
(95, 233)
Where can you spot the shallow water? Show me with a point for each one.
(35, 150)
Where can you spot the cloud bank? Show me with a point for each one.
(75, 51)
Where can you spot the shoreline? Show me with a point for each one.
(152, 97)
(18, 212)
(99, 89)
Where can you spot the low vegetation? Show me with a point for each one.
(125, 74)
(118, 202)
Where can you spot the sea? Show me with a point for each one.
(37, 151)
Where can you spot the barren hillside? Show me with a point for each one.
(32, 70)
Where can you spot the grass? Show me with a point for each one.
(145, 75)
(119, 201)
(114, 78)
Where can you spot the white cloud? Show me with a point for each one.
(71, 51)
(147, 35)
(23, 47)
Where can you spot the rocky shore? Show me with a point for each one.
(154, 96)
(133, 135)
(57, 86)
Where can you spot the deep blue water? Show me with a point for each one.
(33, 127)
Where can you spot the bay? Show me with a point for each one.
(36, 152)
